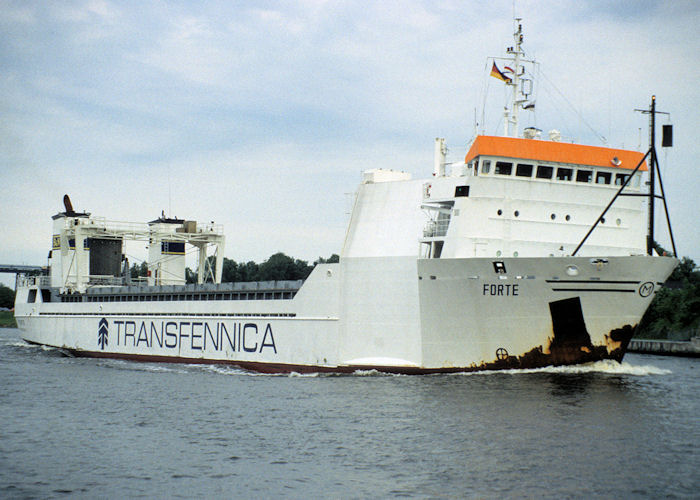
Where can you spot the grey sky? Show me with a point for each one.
(262, 115)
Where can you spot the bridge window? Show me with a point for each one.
(620, 179)
(584, 175)
(504, 168)
(564, 174)
(603, 178)
(485, 166)
(32, 296)
(523, 170)
(544, 172)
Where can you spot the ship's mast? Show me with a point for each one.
(517, 53)
(517, 99)
(521, 85)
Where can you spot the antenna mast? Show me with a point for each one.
(654, 171)
(519, 96)
(517, 52)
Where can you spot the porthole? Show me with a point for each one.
(516, 213)
(515, 254)
(618, 222)
(553, 216)
(602, 220)
(500, 212)
(568, 218)
(498, 253)
(572, 270)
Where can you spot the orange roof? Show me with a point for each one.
(559, 152)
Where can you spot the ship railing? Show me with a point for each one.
(106, 280)
(39, 281)
(119, 226)
(436, 228)
(143, 227)
(93, 280)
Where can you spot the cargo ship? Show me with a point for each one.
(530, 252)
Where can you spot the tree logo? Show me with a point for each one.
(102, 333)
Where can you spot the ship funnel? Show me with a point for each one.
(68, 204)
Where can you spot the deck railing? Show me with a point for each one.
(436, 228)
(45, 281)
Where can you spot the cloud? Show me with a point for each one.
(262, 116)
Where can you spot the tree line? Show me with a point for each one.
(675, 312)
(278, 267)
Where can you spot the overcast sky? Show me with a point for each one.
(262, 115)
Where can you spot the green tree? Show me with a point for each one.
(190, 276)
(229, 271)
(249, 271)
(7, 297)
(282, 267)
(139, 270)
(675, 310)
(278, 267)
(333, 259)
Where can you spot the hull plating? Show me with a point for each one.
(425, 316)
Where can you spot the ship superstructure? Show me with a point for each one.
(532, 198)
(482, 265)
(88, 251)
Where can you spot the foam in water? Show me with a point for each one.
(303, 375)
(375, 373)
(605, 366)
(142, 367)
(223, 370)
(20, 344)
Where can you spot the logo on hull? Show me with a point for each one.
(102, 333)
(646, 289)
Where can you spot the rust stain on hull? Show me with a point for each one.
(570, 342)
(568, 351)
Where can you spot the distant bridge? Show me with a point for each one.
(9, 268)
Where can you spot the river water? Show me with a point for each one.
(86, 428)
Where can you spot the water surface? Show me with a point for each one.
(74, 427)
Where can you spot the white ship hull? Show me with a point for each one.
(391, 314)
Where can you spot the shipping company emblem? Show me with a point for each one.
(646, 289)
(102, 333)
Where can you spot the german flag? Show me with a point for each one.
(496, 73)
